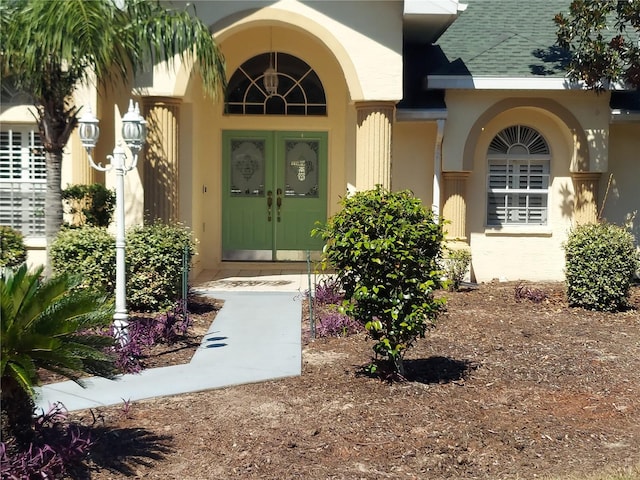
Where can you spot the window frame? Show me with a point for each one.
(300, 91)
(23, 180)
(518, 181)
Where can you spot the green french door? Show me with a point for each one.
(274, 190)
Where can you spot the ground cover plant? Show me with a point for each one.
(146, 331)
(58, 447)
(328, 319)
(505, 387)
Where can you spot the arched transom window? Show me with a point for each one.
(518, 177)
(291, 87)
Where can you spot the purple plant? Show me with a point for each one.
(335, 324)
(533, 294)
(166, 328)
(57, 445)
(328, 292)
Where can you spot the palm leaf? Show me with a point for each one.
(49, 325)
(74, 40)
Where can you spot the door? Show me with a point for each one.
(274, 191)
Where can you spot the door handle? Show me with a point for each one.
(279, 201)
(269, 203)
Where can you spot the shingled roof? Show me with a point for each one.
(504, 38)
(494, 40)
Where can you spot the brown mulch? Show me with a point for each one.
(202, 313)
(500, 389)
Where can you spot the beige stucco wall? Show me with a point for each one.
(357, 53)
(108, 106)
(22, 115)
(366, 40)
(531, 252)
(622, 198)
(584, 114)
(515, 252)
(412, 158)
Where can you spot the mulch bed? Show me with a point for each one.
(502, 388)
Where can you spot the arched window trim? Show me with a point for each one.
(286, 66)
(518, 177)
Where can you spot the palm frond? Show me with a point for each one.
(163, 34)
(22, 369)
(50, 325)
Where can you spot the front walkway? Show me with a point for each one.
(255, 337)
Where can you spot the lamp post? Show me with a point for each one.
(133, 134)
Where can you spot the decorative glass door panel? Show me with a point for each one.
(274, 190)
(247, 168)
(301, 168)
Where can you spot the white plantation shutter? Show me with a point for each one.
(518, 178)
(23, 178)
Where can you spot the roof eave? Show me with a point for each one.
(420, 114)
(624, 116)
(501, 83)
(425, 20)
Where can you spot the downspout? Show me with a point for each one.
(437, 168)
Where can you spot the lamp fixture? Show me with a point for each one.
(134, 134)
(270, 74)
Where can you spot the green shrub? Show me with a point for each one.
(455, 267)
(89, 204)
(153, 261)
(600, 262)
(385, 248)
(13, 251)
(87, 252)
(154, 265)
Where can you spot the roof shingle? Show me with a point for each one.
(506, 38)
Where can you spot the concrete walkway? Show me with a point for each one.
(255, 337)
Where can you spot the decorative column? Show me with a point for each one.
(585, 187)
(81, 171)
(373, 144)
(161, 170)
(454, 208)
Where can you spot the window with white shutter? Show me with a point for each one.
(23, 180)
(518, 178)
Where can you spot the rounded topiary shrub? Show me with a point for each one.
(385, 248)
(88, 252)
(13, 251)
(155, 264)
(600, 263)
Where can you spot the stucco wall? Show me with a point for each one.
(366, 41)
(518, 252)
(412, 158)
(622, 198)
(585, 116)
